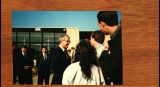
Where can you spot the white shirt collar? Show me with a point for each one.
(44, 54)
(23, 53)
(61, 48)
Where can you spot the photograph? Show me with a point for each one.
(67, 47)
(80, 43)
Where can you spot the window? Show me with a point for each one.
(14, 36)
(21, 44)
(57, 35)
(22, 36)
(36, 36)
(48, 37)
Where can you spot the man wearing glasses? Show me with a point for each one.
(60, 60)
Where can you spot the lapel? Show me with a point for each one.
(65, 55)
(47, 57)
(62, 52)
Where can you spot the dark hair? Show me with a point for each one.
(98, 36)
(86, 54)
(14, 43)
(23, 46)
(109, 17)
(45, 48)
(68, 50)
(72, 48)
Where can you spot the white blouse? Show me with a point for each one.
(73, 76)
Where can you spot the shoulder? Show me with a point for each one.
(71, 69)
(94, 69)
(73, 66)
(19, 53)
(58, 49)
(39, 55)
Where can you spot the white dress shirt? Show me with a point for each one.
(44, 56)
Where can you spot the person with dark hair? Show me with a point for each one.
(72, 54)
(24, 65)
(14, 52)
(69, 51)
(96, 40)
(84, 70)
(43, 65)
(111, 58)
(60, 59)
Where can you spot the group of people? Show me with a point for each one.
(90, 63)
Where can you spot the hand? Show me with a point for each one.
(105, 48)
(27, 67)
(112, 83)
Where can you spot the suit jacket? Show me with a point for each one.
(59, 62)
(111, 61)
(42, 65)
(22, 61)
(14, 54)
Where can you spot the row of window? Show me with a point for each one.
(35, 36)
(36, 40)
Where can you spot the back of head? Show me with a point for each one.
(84, 51)
(109, 17)
(98, 36)
(86, 54)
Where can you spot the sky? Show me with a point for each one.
(84, 20)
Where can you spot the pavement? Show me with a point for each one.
(35, 77)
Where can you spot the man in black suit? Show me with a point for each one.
(111, 58)
(14, 50)
(60, 59)
(43, 65)
(24, 63)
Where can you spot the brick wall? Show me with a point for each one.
(74, 36)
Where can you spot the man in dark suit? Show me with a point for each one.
(43, 65)
(111, 58)
(60, 59)
(24, 63)
(14, 61)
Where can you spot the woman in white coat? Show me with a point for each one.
(84, 70)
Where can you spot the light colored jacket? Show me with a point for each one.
(73, 76)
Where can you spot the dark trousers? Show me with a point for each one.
(14, 76)
(57, 80)
(25, 77)
(43, 76)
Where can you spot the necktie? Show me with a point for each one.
(65, 52)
